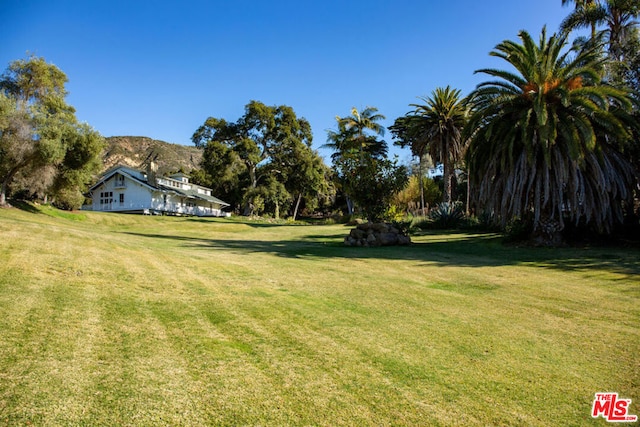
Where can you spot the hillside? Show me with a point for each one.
(135, 151)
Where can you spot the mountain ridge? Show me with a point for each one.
(138, 151)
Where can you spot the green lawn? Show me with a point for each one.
(110, 319)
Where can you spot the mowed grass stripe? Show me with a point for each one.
(127, 320)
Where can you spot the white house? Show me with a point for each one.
(123, 189)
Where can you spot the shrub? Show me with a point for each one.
(447, 214)
(393, 214)
(68, 199)
(421, 223)
(404, 226)
(517, 230)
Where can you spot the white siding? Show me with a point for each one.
(120, 193)
(136, 196)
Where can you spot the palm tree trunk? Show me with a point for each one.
(547, 231)
(421, 182)
(446, 173)
(447, 184)
(468, 211)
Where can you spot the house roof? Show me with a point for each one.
(122, 170)
(193, 194)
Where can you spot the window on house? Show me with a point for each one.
(121, 199)
(119, 181)
(106, 198)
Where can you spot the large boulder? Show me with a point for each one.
(376, 234)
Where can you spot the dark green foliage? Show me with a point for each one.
(225, 173)
(403, 226)
(77, 169)
(263, 162)
(372, 183)
(447, 214)
(617, 16)
(618, 20)
(365, 174)
(268, 198)
(546, 139)
(44, 151)
(517, 230)
(435, 127)
(352, 137)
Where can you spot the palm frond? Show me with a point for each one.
(540, 137)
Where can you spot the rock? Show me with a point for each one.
(404, 240)
(380, 227)
(388, 239)
(376, 234)
(357, 234)
(365, 226)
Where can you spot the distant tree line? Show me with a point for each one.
(552, 143)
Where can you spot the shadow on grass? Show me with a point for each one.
(222, 220)
(452, 249)
(251, 223)
(24, 206)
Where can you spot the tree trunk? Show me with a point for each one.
(349, 205)
(5, 182)
(295, 210)
(446, 173)
(547, 232)
(421, 185)
(251, 168)
(3, 194)
(468, 210)
(253, 176)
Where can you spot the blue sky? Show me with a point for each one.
(160, 68)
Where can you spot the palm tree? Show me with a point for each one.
(543, 140)
(363, 120)
(339, 141)
(352, 134)
(436, 126)
(582, 6)
(617, 15)
(352, 143)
